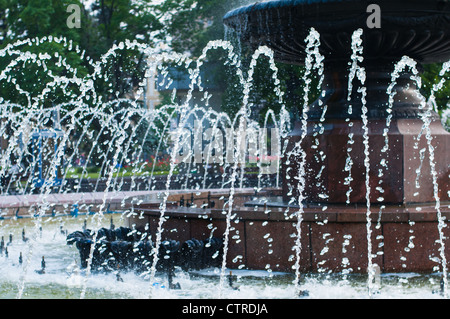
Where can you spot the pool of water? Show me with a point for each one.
(63, 278)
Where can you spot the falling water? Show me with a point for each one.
(183, 118)
(427, 117)
(312, 52)
(33, 116)
(360, 73)
(243, 116)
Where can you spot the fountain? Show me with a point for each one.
(371, 129)
(420, 33)
(359, 186)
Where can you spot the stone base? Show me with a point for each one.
(27, 205)
(404, 239)
(407, 152)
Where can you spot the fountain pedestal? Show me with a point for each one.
(404, 226)
(400, 169)
(418, 29)
(400, 175)
(263, 236)
(404, 217)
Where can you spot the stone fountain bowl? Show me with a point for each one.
(419, 29)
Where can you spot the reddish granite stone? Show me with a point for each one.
(339, 246)
(236, 241)
(271, 245)
(332, 240)
(402, 160)
(410, 247)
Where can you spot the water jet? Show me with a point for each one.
(365, 193)
(362, 188)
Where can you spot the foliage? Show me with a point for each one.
(186, 25)
(108, 22)
(191, 24)
(431, 77)
(36, 19)
(194, 23)
(112, 22)
(105, 24)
